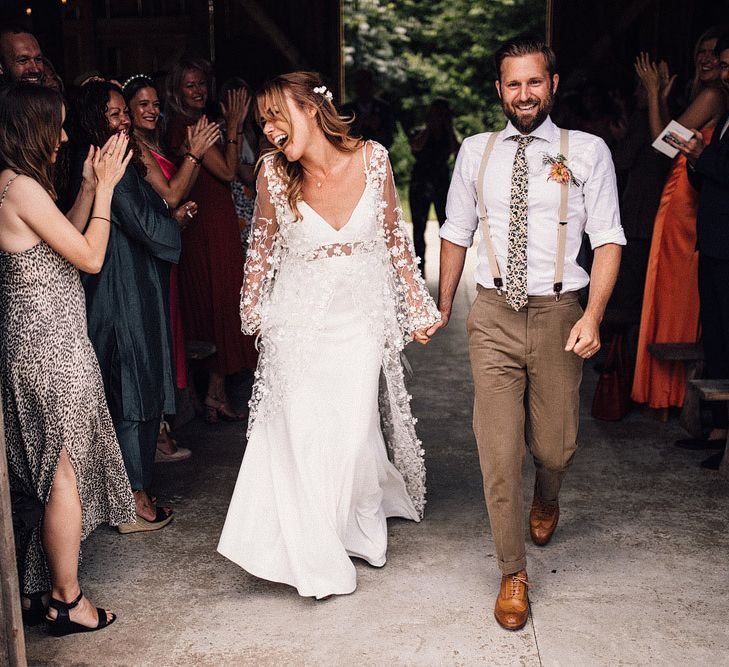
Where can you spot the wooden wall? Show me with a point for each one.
(605, 37)
(255, 39)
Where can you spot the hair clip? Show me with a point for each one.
(322, 90)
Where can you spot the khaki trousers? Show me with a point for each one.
(526, 392)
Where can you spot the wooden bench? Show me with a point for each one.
(716, 390)
(692, 356)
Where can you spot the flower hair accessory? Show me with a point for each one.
(324, 92)
(134, 77)
(559, 172)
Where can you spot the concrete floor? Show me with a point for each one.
(636, 574)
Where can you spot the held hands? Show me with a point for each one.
(201, 136)
(235, 109)
(584, 339)
(692, 148)
(423, 336)
(109, 162)
(185, 213)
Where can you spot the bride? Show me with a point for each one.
(333, 289)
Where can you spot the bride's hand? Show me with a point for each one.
(420, 336)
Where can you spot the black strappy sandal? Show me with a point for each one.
(36, 613)
(63, 625)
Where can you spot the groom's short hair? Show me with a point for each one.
(525, 45)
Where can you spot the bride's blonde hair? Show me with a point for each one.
(271, 105)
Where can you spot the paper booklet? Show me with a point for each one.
(662, 146)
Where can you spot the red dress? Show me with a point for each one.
(178, 331)
(211, 270)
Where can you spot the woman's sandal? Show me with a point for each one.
(142, 525)
(63, 625)
(36, 613)
(216, 410)
(178, 453)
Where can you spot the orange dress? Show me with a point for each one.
(670, 311)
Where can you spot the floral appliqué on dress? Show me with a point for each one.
(387, 284)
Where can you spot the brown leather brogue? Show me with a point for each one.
(512, 604)
(542, 520)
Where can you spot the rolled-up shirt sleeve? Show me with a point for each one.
(601, 200)
(461, 218)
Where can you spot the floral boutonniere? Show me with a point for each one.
(559, 172)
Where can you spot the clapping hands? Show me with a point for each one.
(201, 136)
(110, 161)
(656, 78)
(235, 109)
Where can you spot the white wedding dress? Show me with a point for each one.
(334, 309)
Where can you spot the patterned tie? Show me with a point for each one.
(516, 259)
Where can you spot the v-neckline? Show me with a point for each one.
(351, 215)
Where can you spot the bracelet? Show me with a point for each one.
(98, 217)
(231, 141)
(194, 158)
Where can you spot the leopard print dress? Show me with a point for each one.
(53, 397)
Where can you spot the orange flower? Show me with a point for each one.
(560, 173)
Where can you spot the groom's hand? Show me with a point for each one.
(584, 339)
(438, 325)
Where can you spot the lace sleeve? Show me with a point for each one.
(262, 258)
(417, 308)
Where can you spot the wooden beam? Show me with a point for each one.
(268, 27)
(12, 638)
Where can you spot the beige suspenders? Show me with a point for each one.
(561, 227)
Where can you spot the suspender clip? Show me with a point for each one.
(499, 285)
(557, 291)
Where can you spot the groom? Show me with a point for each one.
(527, 332)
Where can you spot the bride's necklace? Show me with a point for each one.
(320, 181)
(317, 181)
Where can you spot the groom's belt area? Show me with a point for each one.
(532, 301)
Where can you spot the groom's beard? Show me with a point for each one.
(527, 124)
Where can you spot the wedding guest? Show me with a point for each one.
(21, 58)
(50, 78)
(670, 312)
(127, 302)
(708, 171)
(211, 264)
(59, 439)
(528, 334)
(432, 147)
(373, 117)
(244, 185)
(172, 184)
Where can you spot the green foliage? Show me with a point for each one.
(422, 49)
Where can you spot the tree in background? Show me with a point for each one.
(422, 49)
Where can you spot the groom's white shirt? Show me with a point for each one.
(592, 207)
